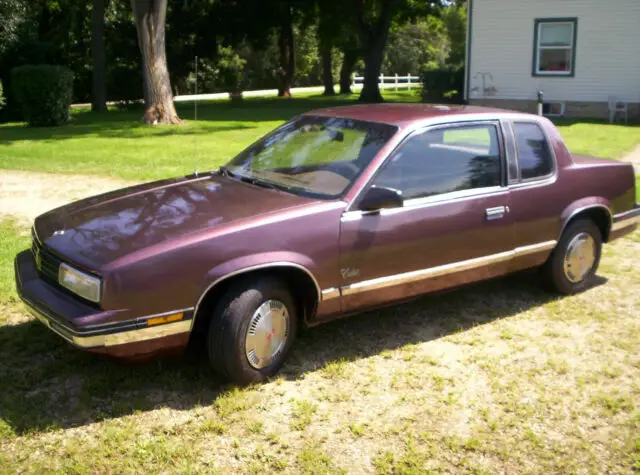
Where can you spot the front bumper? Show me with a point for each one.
(64, 314)
(625, 223)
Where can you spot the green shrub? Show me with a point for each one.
(1, 96)
(230, 71)
(443, 85)
(43, 93)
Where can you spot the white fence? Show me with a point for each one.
(390, 81)
(385, 82)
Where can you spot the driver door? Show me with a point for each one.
(454, 226)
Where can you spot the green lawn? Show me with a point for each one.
(600, 139)
(117, 144)
(10, 243)
(500, 377)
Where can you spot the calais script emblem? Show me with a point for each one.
(349, 273)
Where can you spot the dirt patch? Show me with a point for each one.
(25, 195)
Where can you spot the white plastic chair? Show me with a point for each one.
(616, 107)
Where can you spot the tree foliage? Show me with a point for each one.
(12, 18)
(230, 70)
(374, 20)
(416, 47)
(280, 43)
(455, 22)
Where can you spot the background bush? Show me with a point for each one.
(443, 85)
(43, 93)
(1, 96)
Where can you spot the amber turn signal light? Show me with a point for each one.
(165, 319)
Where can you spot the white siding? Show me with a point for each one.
(607, 51)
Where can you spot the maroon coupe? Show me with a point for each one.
(336, 211)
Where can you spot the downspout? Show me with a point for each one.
(467, 82)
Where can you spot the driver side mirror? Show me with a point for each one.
(381, 197)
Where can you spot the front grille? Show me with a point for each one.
(46, 262)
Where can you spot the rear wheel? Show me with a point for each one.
(575, 259)
(252, 330)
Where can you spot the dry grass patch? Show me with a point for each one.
(25, 195)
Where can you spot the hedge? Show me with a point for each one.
(43, 93)
(443, 85)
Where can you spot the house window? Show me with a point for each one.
(555, 47)
(553, 109)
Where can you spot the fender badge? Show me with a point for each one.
(349, 273)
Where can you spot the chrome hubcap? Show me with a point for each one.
(580, 257)
(267, 333)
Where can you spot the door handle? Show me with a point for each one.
(497, 212)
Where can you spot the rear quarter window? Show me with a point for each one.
(534, 154)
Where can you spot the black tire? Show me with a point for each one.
(553, 271)
(229, 324)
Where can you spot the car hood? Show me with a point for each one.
(98, 230)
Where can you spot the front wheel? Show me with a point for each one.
(575, 259)
(252, 330)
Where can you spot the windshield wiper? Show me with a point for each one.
(254, 181)
(266, 184)
(225, 171)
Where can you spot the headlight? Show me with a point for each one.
(84, 285)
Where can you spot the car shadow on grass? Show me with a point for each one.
(47, 384)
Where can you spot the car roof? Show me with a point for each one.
(406, 115)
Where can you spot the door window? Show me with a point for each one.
(444, 160)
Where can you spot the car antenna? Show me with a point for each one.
(195, 114)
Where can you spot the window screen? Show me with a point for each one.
(534, 154)
(555, 47)
(443, 161)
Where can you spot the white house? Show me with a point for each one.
(579, 53)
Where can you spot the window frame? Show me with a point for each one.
(452, 195)
(550, 104)
(554, 163)
(511, 153)
(535, 67)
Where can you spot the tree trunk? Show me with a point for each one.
(327, 68)
(348, 62)
(286, 45)
(374, 39)
(150, 16)
(98, 59)
(373, 57)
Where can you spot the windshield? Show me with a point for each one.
(312, 155)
